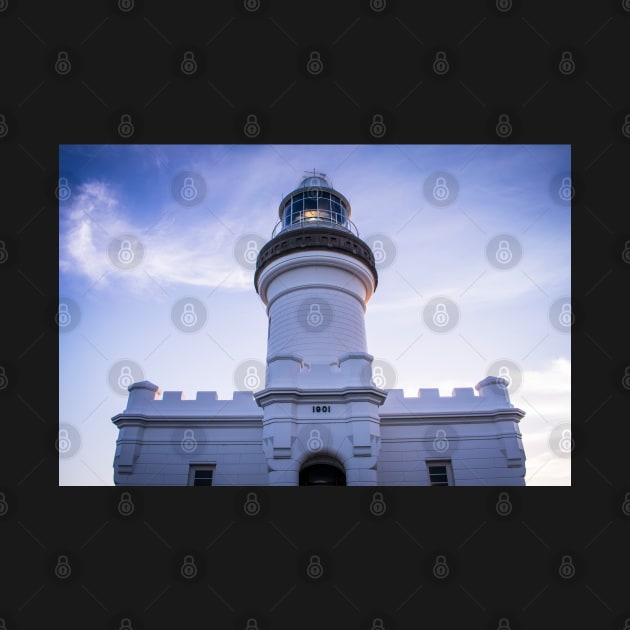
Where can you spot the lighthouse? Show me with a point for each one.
(321, 418)
(320, 405)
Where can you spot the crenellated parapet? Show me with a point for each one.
(492, 398)
(144, 401)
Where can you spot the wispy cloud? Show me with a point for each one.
(175, 251)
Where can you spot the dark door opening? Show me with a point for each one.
(322, 475)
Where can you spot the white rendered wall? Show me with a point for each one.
(342, 329)
(478, 434)
(336, 285)
(485, 449)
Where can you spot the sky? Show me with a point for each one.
(156, 252)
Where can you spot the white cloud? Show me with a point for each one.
(194, 253)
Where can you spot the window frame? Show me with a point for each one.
(448, 464)
(201, 467)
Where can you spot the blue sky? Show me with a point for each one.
(184, 216)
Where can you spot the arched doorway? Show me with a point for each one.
(319, 474)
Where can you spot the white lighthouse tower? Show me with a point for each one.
(320, 419)
(321, 422)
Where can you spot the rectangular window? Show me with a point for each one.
(440, 473)
(200, 475)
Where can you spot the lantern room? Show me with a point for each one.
(314, 203)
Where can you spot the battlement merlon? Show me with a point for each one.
(143, 400)
(492, 397)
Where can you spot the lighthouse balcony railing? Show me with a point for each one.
(315, 221)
